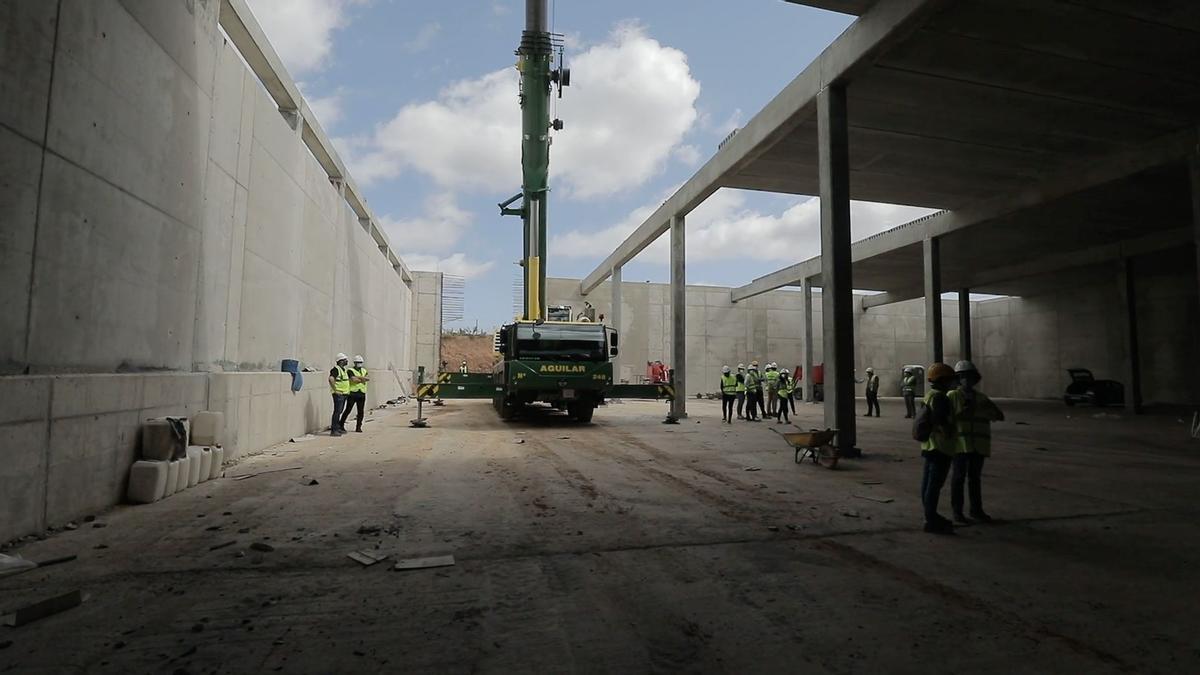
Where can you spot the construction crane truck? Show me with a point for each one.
(545, 357)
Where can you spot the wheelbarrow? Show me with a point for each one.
(814, 444)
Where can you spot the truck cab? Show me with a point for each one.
(565, 364)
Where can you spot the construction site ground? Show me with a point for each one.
(632, 546)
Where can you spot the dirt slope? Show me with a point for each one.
(476, 349)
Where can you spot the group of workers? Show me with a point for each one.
(771, 393)
(959, 438)
(348, 384)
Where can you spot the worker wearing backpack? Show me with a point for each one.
(974, 413)
(934, 427)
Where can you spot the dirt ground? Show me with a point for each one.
(632, 546)
(476, 350)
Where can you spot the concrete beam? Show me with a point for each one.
(679, 315)
(1159, 152)
(933, 298)
(833, 151)
(1150, 243)
(859, 46)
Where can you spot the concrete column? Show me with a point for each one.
(614, 319)
(1133, 362)
(836, 278)
(806, 298)
(1194, 171)
(964, 323)
(933, 299)
(679, 316)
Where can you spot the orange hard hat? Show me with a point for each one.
(939, 370)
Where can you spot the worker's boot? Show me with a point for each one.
(979, 515)
(358, 428)
(961, 519)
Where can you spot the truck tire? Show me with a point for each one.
(582, 412)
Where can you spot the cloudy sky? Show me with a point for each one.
(421, 98)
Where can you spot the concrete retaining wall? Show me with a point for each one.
(69, 440)
(160, 213)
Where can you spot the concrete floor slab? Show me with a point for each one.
(631, 546)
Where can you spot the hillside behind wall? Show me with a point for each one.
(167, 240)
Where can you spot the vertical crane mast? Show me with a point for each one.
(534, 63)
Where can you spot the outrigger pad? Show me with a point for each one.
(419, 423)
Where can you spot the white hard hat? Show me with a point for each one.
(341, 356)
(358, 358)
(725, 369)
(870, 370)
(741, 366)
(965, 367)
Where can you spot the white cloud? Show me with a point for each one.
(424, 38)
(688, 155)
(301, 31)
(724, 228)
(328, 109)
(457, 264)
(500, 9)
(630, 104)
(437, 230)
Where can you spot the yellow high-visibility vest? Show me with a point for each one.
(341, 381)
(358, 387)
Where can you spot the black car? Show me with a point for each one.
(1085, 388)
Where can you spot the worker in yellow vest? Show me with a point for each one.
(771, 385)
(741, 389)
(339, 386)
(753, 392)
(786, 387)
(462, 367)
(358, 392)
(935, 428)
(729, 386)
(974, 413)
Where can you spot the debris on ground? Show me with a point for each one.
(14, 564)
(263, 473)
(367, 558)
(260, 546)
(221, 546)
(751, 468)
(1023, 424)
(369, 529)
(880, 500)
(302, 439)
(871, 482)
(43, 609)
(56, 561)
(313, 481)
(1041, 449)
(519, 441)
(71, 526)
(773, 528)
(425, 563)
(850, 514)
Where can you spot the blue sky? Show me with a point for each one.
(421, 99)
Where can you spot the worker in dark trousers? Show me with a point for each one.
(339, 387)
(872, 392)
(938, 452)
(974, 413)
(728, 394)
(358, 393)
(908, 389)
(753, 392)
(741, 389)
(785, 394)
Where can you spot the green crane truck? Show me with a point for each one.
(545, 357)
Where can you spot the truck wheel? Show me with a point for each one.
(506, 408)
(583, 412)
